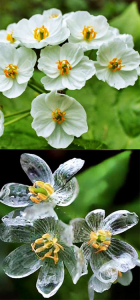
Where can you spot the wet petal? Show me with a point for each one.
(36, 168)
(126, 278)
(21, 262)
(46, 225)
(50, 278)
(66, 171)
(95, 219)
(120, 221)
(81, 230)
(65, 233)
(96, 285)
(67, 194)
(87, 250)
(15, 195)
(17, 233)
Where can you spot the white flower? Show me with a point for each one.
(52, 13)
(89, 31)
(39, 31)
(1, 123)
(117, 64)
(58, 118)
(65, 67)
(65, 17)
(138, 70)
(6, 36)
(16, 68)
(126, 38)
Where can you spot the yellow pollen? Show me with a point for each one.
(115, 64)
(53, 16)
(10, 37)
(64, 66)
(58, 116)
(41, 33)
(100, 240)
(119, 273)
(10, 71)
(41, 191)
(47, 243)
(88, 33)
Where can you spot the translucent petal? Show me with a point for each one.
(64, 233)
(138, 263)
(126, 278)
(120, 221)
(16, 234)
(96, 285)
(95, 219)
(21, 262)
(50, 278)
(81, 230)
(66, 171)
(108, 273)
(46, 225)
(36, 168)
(15, 195)
(67, 194)
(97, 260)
(87, 250)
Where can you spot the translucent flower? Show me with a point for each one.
(117, 64)
(65, 67)
(6, 36)
(47, 189)
(126, 38)
(39, 31)
(16, 68)
(58, 118)
(89, 31)
(48, 246)
(96, 231)
(1, 123)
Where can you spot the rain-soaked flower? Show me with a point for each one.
(58, 118)
(16, 68)
(96, 232)
(1, 123)
(6, 36)
(48, 246)
(47, 189)
(117, 64)
(65, 67)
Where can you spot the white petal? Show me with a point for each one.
(96, 285)
(59, 139)
(1, 123)
(5, 83)
(72, 53)
(67, 194)
(85, 68)
(16, 90)
(15, 195)
(52, 84)
(73, 81)
(126, 278)
(26, 54)
(95, 219)
(43, 124)
(39, 105)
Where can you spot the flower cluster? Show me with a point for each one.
(66, 42)
(49, 244)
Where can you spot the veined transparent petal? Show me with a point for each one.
(120, 221)
(108, 273)
(67, 194)
(64, 233)
(126, 278)
(17, 234)
(96, 285)
(15, 195)
(95, 219)
(87, 250)
(36, 168)
(50, 278)
(46, 225)
(66, 171)
(97, 260)
(81, 230)
(21, 262)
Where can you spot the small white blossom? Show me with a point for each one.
(40, 31)
(16, 68)
(52, 13)
(1, 123)
(117, 64)
(6, 36)
(58, 118)
(126, 38)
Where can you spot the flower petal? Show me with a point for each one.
(64, 233)
(51, 84)
(67, 194)
(59, 138)
(95, 219)
(51, 277)
(96, 285)
(81, 230)
(5, 83)
(36, 168)
(45, 225)
(16, 90)
(21, 262)
(126, 278)
(16, 233)
(120, 221)
(15, 195)
(72, 53)
(43, 124)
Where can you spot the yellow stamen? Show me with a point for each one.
(41, 191)
(115, 64)
(41, 33)
(88, 33)
(119, 273)
(47, 243)
(11, 71)
(100, 240)
(64, 66)
(53, 16)
(10, 38)
(58, 116)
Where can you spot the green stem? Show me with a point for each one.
(17, 113)
(36, 89)
(38, 85)
(17, 119)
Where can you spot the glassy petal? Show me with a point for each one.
(16, 233)
(81, 230)
(120, 221)
(126, 278)
(65, 233)
(21, 262)
(87, 250)
(15, 195)
(46, 225)
(36, 168)
(50, 278)
(96, 285)
(67, 194)
(95, 219)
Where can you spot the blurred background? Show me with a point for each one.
(109, 180)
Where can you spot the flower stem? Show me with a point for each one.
(36, 89)
(16, 113)
(17, 119)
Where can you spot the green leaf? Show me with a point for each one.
(86, 144)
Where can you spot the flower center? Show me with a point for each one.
(10, 37)
(58, 116)
(53, 16)
(48, 246)
(100, 240)
(64, 66)
(41, 191)
(10, 71)
(41, 33)
(115, 64)
(88, 33)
